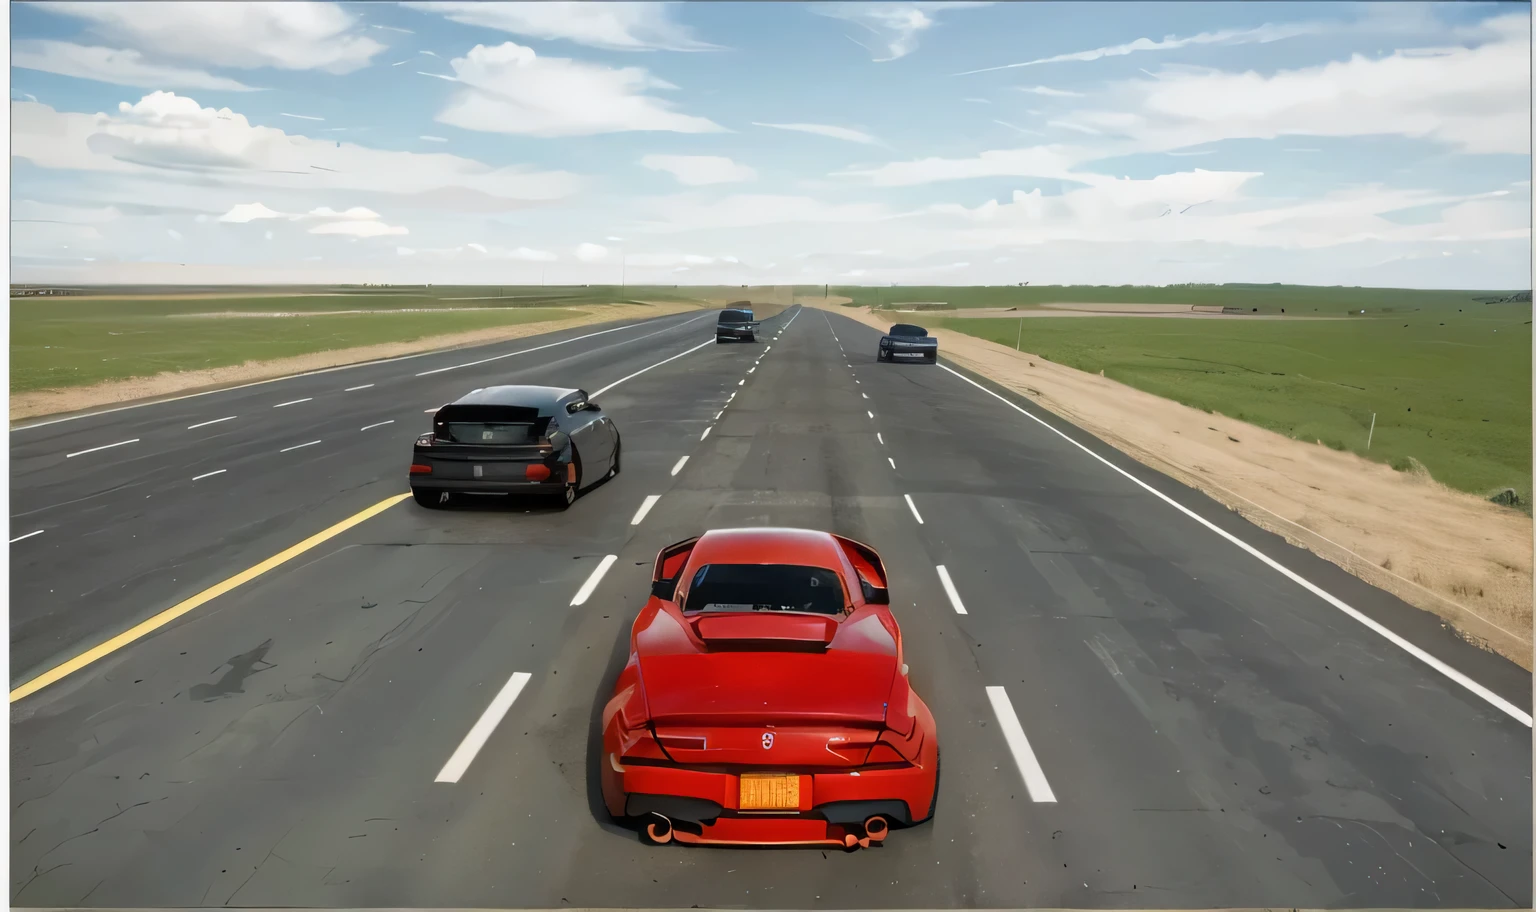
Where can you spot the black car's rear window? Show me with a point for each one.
(735, 316)
(907, 329)
(765, 587)
(490, 425)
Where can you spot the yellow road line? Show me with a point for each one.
(207, 595)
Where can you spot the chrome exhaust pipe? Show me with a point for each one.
(659, 831)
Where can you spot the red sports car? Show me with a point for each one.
(765, 701)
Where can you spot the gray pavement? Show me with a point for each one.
(1212, 734)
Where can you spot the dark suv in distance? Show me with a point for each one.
(515, 440)
(907, 342)
(736, 323)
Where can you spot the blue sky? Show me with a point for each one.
(906, 142)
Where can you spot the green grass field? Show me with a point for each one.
(1449, 383)
(1301, 300)
(125, 332)
(56, 351)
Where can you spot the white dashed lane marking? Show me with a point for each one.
(353, 389)
(650, 501)
(209, 474)
(706, 432)
(28, 535)
(913, 507)
(100, 448)
(891, 461)
(1029, 767)
(379, 424)
(590, 586)
(470, 746)
(193, 427)
(294, 402)
(949, 590)
(679, 467)
(299, 447)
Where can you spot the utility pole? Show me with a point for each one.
(1372, 431)
(1018, 345)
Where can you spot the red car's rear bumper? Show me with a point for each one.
(703, 808)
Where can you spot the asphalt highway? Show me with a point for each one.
(1134, 711)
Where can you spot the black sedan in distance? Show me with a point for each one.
(906, 342)
(538, 440)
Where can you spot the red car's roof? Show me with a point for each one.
(768, 545)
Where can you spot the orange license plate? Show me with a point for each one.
(769, 792)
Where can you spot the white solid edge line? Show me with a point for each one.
(525, 351)
(587, 588)
(1494, 699)
(299, 447)
(28, 535)
(193, 427)
(481, 732)
(679, 467)
(295, 402)
(718, 414)
(650, 501)
(209, 474)
(913, 507)
(644, 369)
(1034, 777)
(380, 424)
(949, 590)
(100, 448)
(891, 461)
(353, 389)
(706, 432)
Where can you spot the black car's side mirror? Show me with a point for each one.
(664, 589)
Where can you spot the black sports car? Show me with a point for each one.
(736, 323)
(515, 440)
(906, 342)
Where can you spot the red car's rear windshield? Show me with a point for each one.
(765, 587)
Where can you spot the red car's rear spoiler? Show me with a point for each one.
(669, 563)
(870, 568)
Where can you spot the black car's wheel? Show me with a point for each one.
(879, 356)
(719, 340)
(567, 495)
(431, 499)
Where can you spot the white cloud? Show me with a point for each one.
(895, 24)
(269, 235)
(173, 233)
(823, 130)
(171, 137)
(476, 247)
(299, 116)
(591, 253)
(1261, 35)
(746, 210)
(532, 256)
(250, 212)
(433, 138)
(977, 100)
(283, 35)
(1068, 125)
(699, 170)
(665, 260)
(28, 210)
(356, 212)
(1475, 99)
(361, 229)
(404, 251)
(1053, 161)
(615, 26)
(118, 67)
(510, 89)
(1047, 90)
